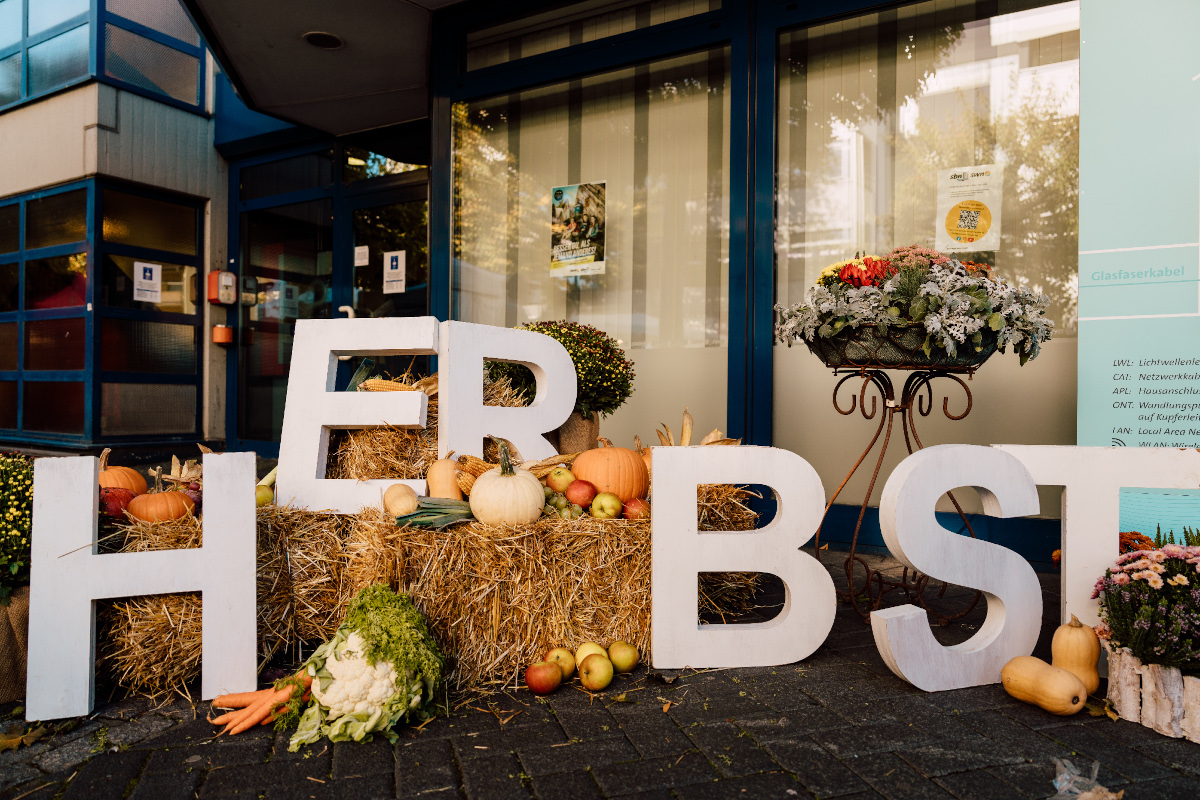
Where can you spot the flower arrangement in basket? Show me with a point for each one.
(914, 307)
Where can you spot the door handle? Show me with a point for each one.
(349, 312)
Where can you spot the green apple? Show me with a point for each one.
(565, 660)
(596, 672)
(606, 506)
(586, 649)
(264, 495)
(560, 478)
(624, 656)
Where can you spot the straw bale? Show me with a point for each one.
(314, 544)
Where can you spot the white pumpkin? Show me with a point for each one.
(507, 495)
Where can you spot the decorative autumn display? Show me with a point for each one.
(603, 372)
(1053, 689)
(1076, 648)
(120, 477)
(667, 439)
(399, 499)
(160, 505)
(507, 495)
(442, 479)
(956, 307)
(618, 470)
(16, 522)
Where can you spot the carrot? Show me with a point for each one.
(265, 708)
(239, 700)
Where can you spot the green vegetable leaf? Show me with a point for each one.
(996, 321)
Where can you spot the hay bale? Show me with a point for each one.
(312, 543)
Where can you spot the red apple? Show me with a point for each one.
(581, 493)
(606, 505)
(596, 672)
(565, 660)
(637, 508)
(543, 677)
(560, 478)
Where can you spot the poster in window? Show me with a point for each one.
(577, 230)
(147, 282)
(394, 266)
(968, 209)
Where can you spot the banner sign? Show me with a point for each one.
(968, 208)
(577, 230)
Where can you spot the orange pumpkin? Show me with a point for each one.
(120, 477)
(160, 506)
(614, 469)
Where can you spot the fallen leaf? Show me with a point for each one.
(14, 738)
(666, 706)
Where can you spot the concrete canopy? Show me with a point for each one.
(378, 77)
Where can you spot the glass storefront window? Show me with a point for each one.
(53, 406)
(57, 61)
(10, 217)
(10, 78)
(361, 164)
(58, 344)
(59, 282)
(657, 137)
(310, 171)
(387, 229)
(135, 345)
(9, 345)
(10, 22)
(45, 14)
(140, 409)
(10, 283)
(164, 17)
(143, 62)
(56, 219)
(8, 404)
(179, 285)
(149, 222)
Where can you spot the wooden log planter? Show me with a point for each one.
(1158, 697)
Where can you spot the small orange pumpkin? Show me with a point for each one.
(160, 506)
(613, 469)
(120, 477)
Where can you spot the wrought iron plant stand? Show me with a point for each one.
(864, 354)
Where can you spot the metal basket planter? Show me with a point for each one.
(900, 348)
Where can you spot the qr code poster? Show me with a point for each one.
(968, 209)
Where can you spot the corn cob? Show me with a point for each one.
(685, 430)
(473, 465)
(465, 481)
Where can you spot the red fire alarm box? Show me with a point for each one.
(222, 287)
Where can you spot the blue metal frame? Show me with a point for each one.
(97, 17)
(383, 190)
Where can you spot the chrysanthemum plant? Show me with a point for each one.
(604, 373)
(16, 522)
(1150, 603)
(954, 301)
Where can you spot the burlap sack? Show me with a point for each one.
(578, 433)
(14, 645)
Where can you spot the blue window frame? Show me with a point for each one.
(147, 47)
(57, 368)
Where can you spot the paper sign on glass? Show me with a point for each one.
(362, 256)
(968, 209)
(147, 282)
(393, 271)
(577, 230)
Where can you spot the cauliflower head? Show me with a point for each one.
(358, 686)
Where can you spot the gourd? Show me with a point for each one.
(1032, 680)
(507, 495)
(442, 478)
(400, 499)
(1076, 648)
(120, 477)
(160, 506)
(613, 469)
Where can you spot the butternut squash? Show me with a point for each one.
(1032, 680)
(442, 479)
(1076, 648)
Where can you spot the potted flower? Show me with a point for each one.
(16, 523)
(604, 379)
(914, 308)
(1150, 624)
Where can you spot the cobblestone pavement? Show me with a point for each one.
(837, 725)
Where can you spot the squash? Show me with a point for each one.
(1032, 680)
(442, 479)
(507, 495)
(120, 477)
(160, 506)
(613, 469)
(1076, 648)
(399, 499)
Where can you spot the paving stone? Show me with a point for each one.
(1031, 780)
(779, 691)
(22, 755)
(183, 710)
(365, 787)
(972, 752)
(576, 756)
(494, 778)
(136, 730)
(523, 708)
(730, 749)
(458, 725)
(15, 774)
(1130, 734)
(885, 686)
(718, 708)
(1016, 737)
(252, 779)
(1177, 753)
(107, 776)
(317, 757)
(42, 788)
(1033, 717)
(583, 723)
(352, 759)
(797, 722)
(894, 779)
(68, 756)
(1175, 788)
(978, 785)
(1120, 759)
(819, 771)
(125, 709)
(652, 734)
(425, 766)
(848, 703)
(772, 786)
(486, 745)
(573, 785)
(166, 787)
(198, 758)
(840, 674)
(843, 742)
(654, 774)
(973, 698)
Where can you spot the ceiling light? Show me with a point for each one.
(323, 40)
